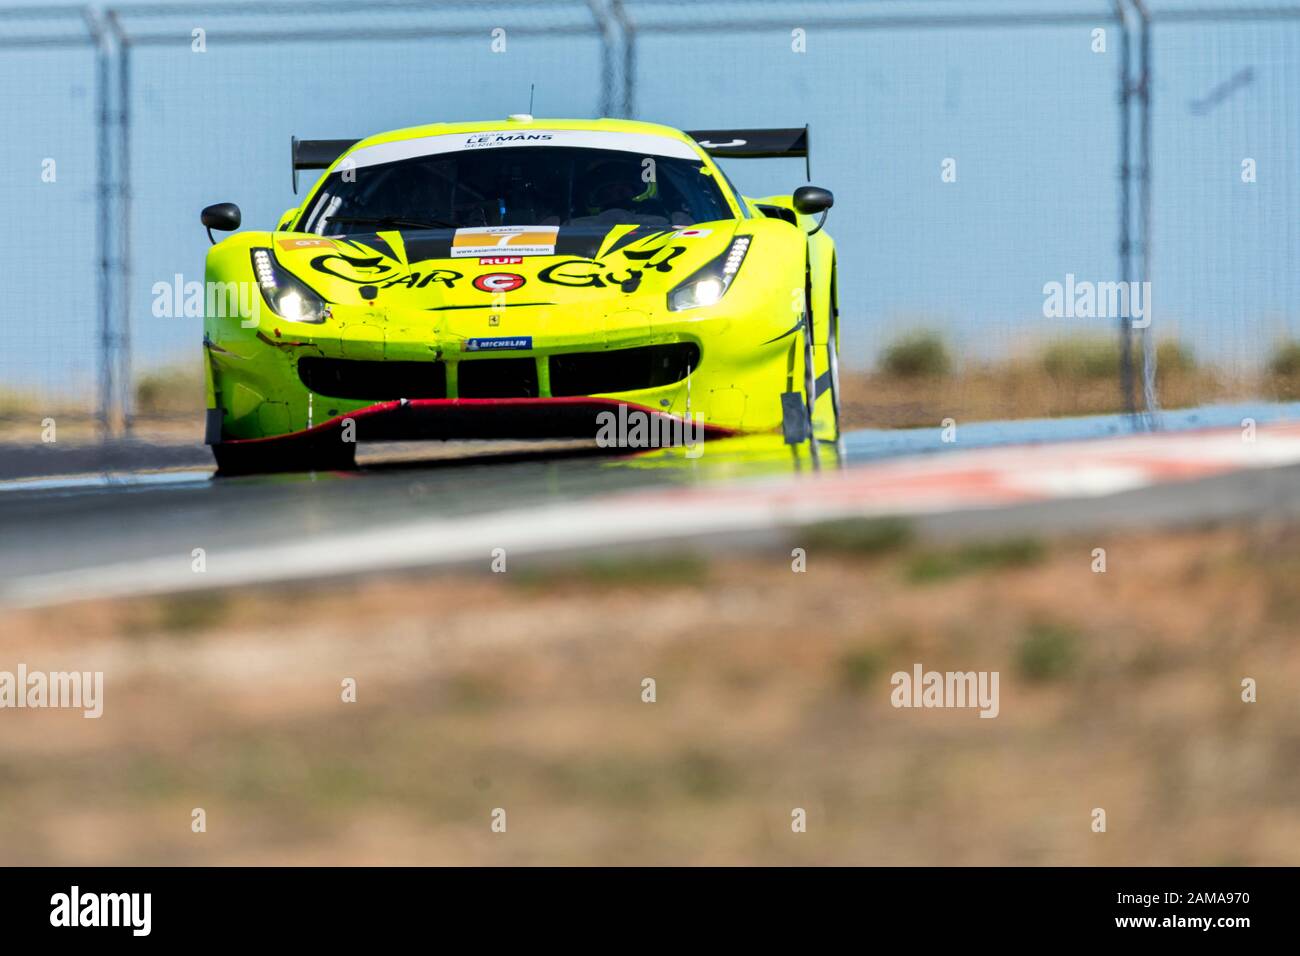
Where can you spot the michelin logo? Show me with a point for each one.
(518, 343)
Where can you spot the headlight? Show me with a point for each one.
(288, 296)
(710, 283)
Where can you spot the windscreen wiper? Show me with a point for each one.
(396, 221)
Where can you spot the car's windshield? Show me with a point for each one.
(516, 186)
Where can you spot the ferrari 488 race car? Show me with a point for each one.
(516, 279)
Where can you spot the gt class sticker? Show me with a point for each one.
(290, 244)
(498, 282)
(504, 240)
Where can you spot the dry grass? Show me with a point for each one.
(523, 691)
(1020, 389)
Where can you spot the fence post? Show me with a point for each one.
(103, 218)
(1145, 83)
(629, 57)
(600, 14)
(1125, 209)
(122, 340)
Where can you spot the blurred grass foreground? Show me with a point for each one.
(681, 709)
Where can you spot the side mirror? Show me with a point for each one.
(224, 217)
(810, 200)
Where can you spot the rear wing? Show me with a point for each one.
(754, 143)
(719, 143)
(316, 153)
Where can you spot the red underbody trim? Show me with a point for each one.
(572, 417)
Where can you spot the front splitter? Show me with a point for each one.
(448, 419)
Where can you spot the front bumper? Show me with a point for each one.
(738, 367)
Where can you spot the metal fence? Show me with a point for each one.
(980, 150)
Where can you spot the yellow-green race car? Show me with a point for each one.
(518, 279)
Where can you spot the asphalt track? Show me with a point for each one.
(130, 530)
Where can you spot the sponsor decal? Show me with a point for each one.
(643, 144)
(515, 240)
(447, 277)
(370, 271)
(480, 140)
(498, 282)
(353, 268)
(575, 273)
(659, 259)
(517, 343)
(691, 233)
(592, 273)
(291, 244)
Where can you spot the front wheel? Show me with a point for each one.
(833, 371)
(814, 385)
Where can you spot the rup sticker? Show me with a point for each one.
(501, 260)
(504, 240)
(519, 343)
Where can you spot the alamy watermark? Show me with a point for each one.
(83, 690)
(1073, 299)
(922, 688)
(129, 910)
(642, 428)
(194, 300)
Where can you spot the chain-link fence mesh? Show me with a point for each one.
(49, 312)
(977, 150)
(1225, 188)
(973, 151)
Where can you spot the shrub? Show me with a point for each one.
(1094, 358)
(918, 355)
(931, 566)
(864, 536)
(168, 390)
(1082, 358)
(1172, 356)
(859, 668)
(1286, 360)
(1047, 652)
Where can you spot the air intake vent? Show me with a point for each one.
(373, 381)
(622, 370)
(497, 378)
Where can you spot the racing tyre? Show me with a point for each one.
(833, 363)
(813, 387)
